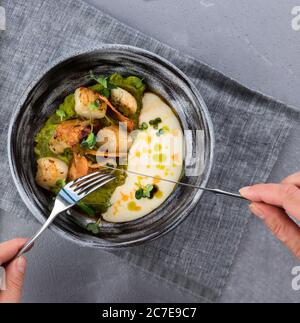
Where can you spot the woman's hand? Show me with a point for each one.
(14, 270)
(277, 205)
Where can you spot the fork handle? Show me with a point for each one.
(218, 191)
(58, 208)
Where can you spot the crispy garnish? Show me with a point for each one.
(79, 167)
(118, 115)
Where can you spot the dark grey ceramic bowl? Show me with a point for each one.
(48, 90)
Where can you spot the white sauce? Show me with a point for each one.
(159, 156)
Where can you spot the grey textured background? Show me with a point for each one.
(251, 41)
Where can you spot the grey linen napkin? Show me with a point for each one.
(250, 132)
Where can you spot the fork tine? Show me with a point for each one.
(84, 183)
(85, 187)
(87, 190)
(79, 180)
(95, 182)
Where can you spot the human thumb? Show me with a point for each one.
(15, 273)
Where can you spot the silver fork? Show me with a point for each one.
(68, 196)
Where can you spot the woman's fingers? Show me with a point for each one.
(10, 248)
(293, 179)
(280, 224)
(15, 272)
(286, 196)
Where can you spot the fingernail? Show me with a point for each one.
(256, 211)
(245, 191)
(21, 264)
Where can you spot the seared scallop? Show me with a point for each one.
(88, 105)
(49, 171)
(125, 101)
(114, 139)
(68, 134)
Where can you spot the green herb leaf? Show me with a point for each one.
(99, 79)
(89, 142)
(105, 84)
(105, 92)
(139, 193)
(160, 132)
(154, 122)
(60, 182)
(93, 227)
(95, 105)
(147, 190)
(143, 126)
(102, 80)
(61, 114)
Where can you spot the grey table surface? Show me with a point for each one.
(250, 41)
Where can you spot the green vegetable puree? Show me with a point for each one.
(98, 201)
